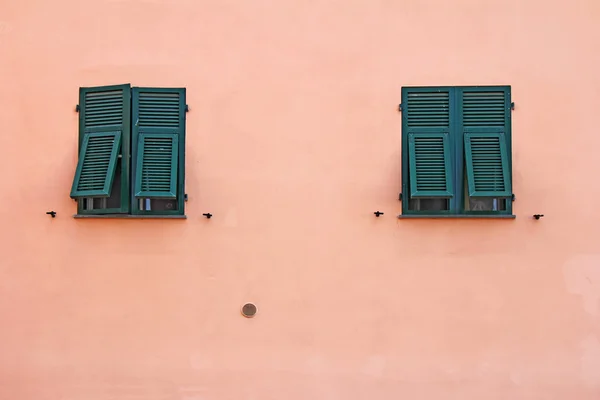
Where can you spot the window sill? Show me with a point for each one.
(128, 216)
(456, 216)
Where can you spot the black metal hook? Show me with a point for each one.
(52, 213)
(207, 215)
(538, 216)
(378, 213)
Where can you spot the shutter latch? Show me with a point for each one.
(400, 107)
(77, 108)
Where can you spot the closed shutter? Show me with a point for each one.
(485, 116)
(159, 125)
(104, 116)
(156, 175)
(427, 119)
(429, 157)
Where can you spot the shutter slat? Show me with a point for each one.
(428, 109)
(102, 108)
(159, 109)
(484, 109)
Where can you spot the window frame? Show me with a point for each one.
(457, 203)
(129, 204)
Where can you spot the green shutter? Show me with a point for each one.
(430, 165)
(104, 119)
(487, 165)
(485, 109)
(156, 169)
(159, 128)
(427, 121)
(428, 109)
(486, 123)
(96, 166)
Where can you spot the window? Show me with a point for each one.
(131, 152)
(456, 151)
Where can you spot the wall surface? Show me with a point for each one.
(293, 142)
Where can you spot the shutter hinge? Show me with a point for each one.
(512, 105)
(400, 196)
(400, 107)
(513, 198)
(77, 108)
(187, 108)
(185, 197)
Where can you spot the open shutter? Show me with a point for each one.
(104, 118)
(159, 128)
(96, 165)
(486, 124)
(427, 120)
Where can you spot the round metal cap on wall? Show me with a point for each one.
(249, 310)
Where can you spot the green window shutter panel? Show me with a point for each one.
(97, 163)
(104, 106)
(484, 109)
(430, 165)
(103, 120)
(487, 164)
(156, 169)
(427, 120)
(486, 123)
(159, 109)
(428, 109)
(159, 115)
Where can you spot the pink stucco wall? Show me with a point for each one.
(293, 141)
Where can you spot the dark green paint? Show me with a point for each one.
(459, 216)
(156, 166)
(96, 166)
(480, 118)
(107, 109)
(129, 216)
(487, 164)
(159, 111)
(430, 165)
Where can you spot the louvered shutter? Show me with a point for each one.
(427, 119)
(104, 114)
(156, 173)
(159, 116)
(485, 116)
